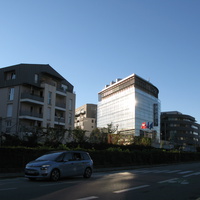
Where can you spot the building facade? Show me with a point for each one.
(86, 117)
(127, 104)
(180, 130)
(34, 95)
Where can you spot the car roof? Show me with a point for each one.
(71, 151)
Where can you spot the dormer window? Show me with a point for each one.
(11, 75)
(64, 87)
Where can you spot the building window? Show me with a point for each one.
(49, 114)
(41, 93)
(13, 75)
(40, 110)
(11, 94)
(70, 104)
(31, 110)
(9, 110)
(8, 123)
(155, 114)
(36, 78)
(70, 119)
(32, 91)
(10, 75)
(64, 87)
(49, 98)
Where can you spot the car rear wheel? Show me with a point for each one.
(87, 173)
(55, 175)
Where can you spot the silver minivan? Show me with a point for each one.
(57, 165)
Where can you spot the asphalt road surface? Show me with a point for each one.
(169, 182)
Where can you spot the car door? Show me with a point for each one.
(78, 163)
(67, 166)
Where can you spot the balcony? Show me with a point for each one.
(61, 91)
(26, 97)
(59, 120)
(31, 115)
(60, 106)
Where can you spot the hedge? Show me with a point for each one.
(14, 159)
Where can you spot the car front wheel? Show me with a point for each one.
(55, 175)
(87, 173)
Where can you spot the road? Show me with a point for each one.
(169, 182)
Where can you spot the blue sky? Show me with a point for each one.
(92, 42)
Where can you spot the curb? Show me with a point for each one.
(96, 170)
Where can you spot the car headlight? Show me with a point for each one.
(44, 167)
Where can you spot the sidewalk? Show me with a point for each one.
(11, 175)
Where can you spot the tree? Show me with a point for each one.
(144, 141)
(99, 136)
(54, 136)
(78, 135)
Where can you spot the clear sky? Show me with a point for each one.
(92, 42)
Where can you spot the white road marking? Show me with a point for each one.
(174, 171)
(129, 189)
(144, 171)
(175, 180)
(193, 174)
(184, 182)
(89, 198)
(185, 172)
(161, 171)
(172, 180)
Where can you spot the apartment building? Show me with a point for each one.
(85, 117)
(179, 129)
(128, 104)
(34, 95)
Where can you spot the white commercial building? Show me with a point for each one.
(128, 104)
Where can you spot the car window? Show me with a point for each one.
(60, 158)
(51, 156)
(77, 156)
(86, 156)
(67, 157)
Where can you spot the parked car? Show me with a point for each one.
(57, 165)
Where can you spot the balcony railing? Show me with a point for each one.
(32, 97)
(61, 89)
(31, 114)
(61, 105)
(59, 119)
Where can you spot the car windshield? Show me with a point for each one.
(52, 156)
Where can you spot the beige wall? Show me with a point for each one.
(46, 107)
(83, 119)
